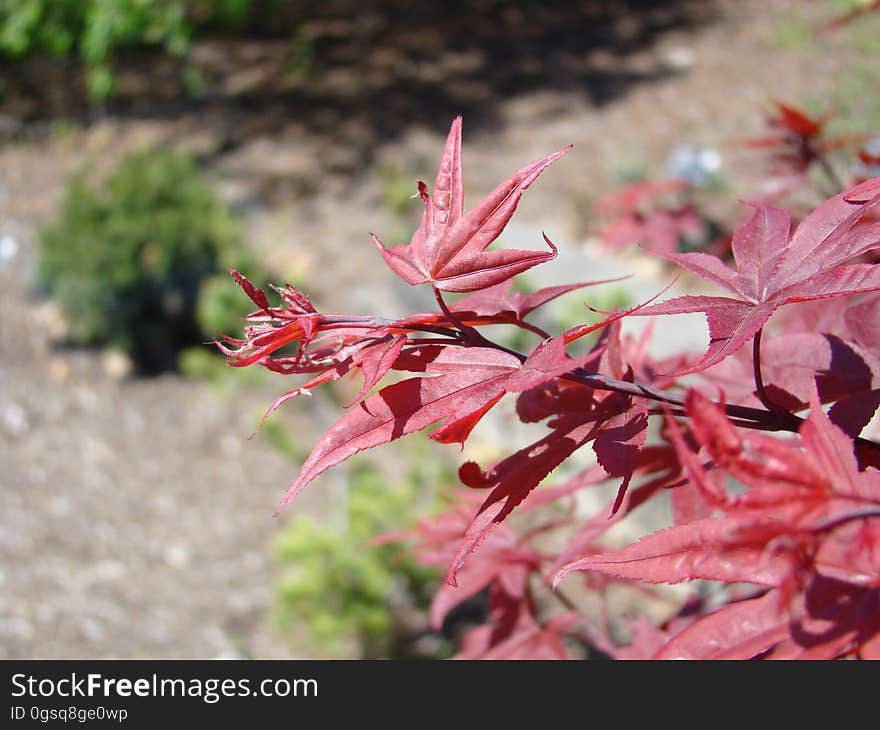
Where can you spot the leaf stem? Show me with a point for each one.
(759, 378)
(470, 335)
(534, 329)
(466, 330)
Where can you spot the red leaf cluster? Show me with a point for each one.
(658, 215)
(761, 496)
(795, 143)
(805, 531)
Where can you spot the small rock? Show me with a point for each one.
(19, 627)
(134, 421)
(177, 556)
(231, 654)
(108, 571)
(679, 57)
(59, 370)
(116, 364)
(14, 419)
(59, 506)
(698, 166)
(51, 318)
(86, 398)
(8, 250)
(92, 629)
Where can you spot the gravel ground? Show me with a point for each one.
(135, 516)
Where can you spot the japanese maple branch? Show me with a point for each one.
(836, 521)
(748, 417)
(333, 321)
(770, 420)
(773, 419)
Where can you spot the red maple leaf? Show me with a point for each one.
(774, 268)
(506, 569)
(740, 630)
(448, 250)
(501, 304)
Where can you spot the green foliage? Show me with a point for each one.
(339, 585)
(793, 32)
(630, 170)
(301, 56)
(220, 306)
(129, 259)
(203, 363)
(852, 97)
(398, 199)
(95, 29)
(397, 191)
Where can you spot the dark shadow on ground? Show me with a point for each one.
(364, 72)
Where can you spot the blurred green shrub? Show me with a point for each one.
(134, 262)
(342, 588)
(96, 28)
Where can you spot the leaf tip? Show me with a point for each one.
(559, 576)
(550, 244)
(863, 193)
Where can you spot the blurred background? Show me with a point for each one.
(147, 146)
